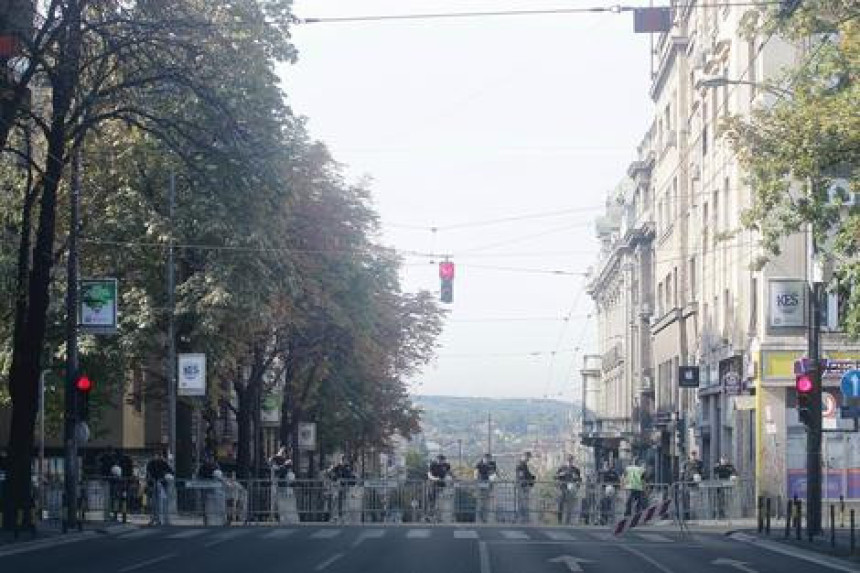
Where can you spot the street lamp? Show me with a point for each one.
(813, 419)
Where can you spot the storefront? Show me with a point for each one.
(782, 447)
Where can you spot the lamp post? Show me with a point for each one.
(813, 424)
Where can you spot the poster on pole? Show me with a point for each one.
(787, 303)
(97, 306)
(192, 375)
(307, 437)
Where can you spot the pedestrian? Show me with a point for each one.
(342, 477)
(525, 482)
(726, 473)
(634, 482)
(438, 472)
(485, 474)
(691, 476)
(569, 479)
(158, 475)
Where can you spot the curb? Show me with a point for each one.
(819, 559)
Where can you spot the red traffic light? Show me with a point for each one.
(803, 384)
(83, 384)
(446, 270)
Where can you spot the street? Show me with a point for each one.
(408, 549)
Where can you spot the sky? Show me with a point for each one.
(461, 123)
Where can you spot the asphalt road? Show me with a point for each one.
(404, 549)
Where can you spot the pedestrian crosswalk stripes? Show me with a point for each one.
(513, 534)
(215, 536)
(278, 533)
(187, 534)
(325, 533)
(559, 535)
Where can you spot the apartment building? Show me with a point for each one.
(690, 291)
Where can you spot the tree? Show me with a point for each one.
(93, 64)
(801, 147)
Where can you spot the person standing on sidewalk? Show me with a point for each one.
(568, 478)
(726, 473)
(634, 482)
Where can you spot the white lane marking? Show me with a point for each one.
(654, 537)
(187, 534)
(573, 563)
(325, 534)
(559, 535)
(279, 533)
(739, 565)
(147, 563)
(46, 543)
(328, 561)
(509, 534)
(644, 557)
(139, 533)
(484, 556)
(819, 560)
(226, 536)
(418, 534)
(369, 534)
(465, 534)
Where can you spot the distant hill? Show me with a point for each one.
(518, 423)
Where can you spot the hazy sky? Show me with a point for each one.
(460, 122)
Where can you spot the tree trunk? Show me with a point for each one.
(243, 423)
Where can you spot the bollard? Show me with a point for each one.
(853, 539)
(798, 515)
(760, 514)
(832, 526)
(767, 516)
(842, 511)
(788, 520)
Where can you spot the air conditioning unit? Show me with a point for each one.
(671, 138)
(647, 384)
(645, 310)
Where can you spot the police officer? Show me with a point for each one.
(525, 482)
(568, 478)
(485, 472)
(158, 473)
(486, 468)
(725, 472)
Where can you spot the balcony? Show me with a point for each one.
(608, 430)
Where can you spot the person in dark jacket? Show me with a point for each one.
(525, 482)
(726, 473)
(568, 477)
(158, 474)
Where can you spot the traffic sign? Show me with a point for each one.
(851, 384)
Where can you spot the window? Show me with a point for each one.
(727, 211)
(753, 323)
(675, 300)
(660, 299)
(704, 129)
(705, 224)
(752, 56)
(727, 314)
(693, 278)
(715, 200)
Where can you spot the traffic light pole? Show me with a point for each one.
(70, 473)
(813, 428)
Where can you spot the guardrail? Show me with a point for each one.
(715, 500)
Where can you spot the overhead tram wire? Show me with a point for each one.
(496, 221)
(613, 9)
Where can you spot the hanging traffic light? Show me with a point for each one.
(804, 385)
(83, 386)
(446, 273)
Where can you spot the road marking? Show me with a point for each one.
(819, 560)
(226, 536)
(465, 534)
(601, 535)
(418, 534)
(739, 565)
(187, 533)
(325, 534)
(645, 557)
(484, 556)
(279, 533)
(147, 563)
(654, 537)
(328, 561)
(573, 563)
(46, 543)
(559, 535)
(509, 534)
(369, 534)
(139, 533)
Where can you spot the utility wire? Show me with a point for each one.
(500, 220)
(615, 9)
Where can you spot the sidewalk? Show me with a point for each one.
(42, 533)
(839, 546)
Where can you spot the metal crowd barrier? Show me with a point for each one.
(715, 500)
(213, 502)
